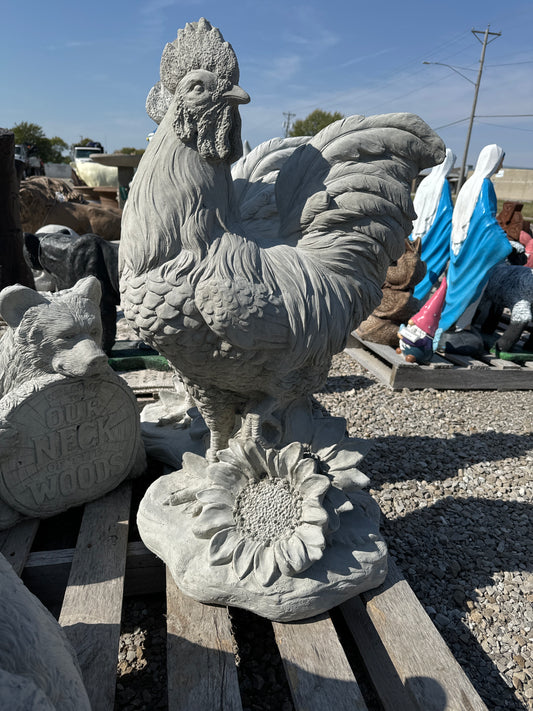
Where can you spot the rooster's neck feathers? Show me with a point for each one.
(177, 201)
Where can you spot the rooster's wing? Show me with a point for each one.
(343, 200)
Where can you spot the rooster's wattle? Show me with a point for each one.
(249, 283)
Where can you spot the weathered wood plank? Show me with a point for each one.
(200, 661)
(374, 365)
(500, 364)
(46, 572)
(445, 372)
(386, 352)
(92, 606)
(466, 361)
(432, 677)
(16, 543)
(437, 361)
(148, 381)
(318, 672)
(388, 685)
(145, 572)
(462, 379)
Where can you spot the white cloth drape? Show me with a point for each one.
(488, 162)
(428, 195)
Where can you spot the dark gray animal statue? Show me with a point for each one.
(511, 287)
(68, 258)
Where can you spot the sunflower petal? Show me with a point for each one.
(222, 545)
(194, 464)
(313, 513)
(311, 535)
(314, 553)
(288, 458)
(216, 495)
(265, 567)
(314, 486)
(344, 459)
(228, 476)
(236, 454)
(212, 519)
(297, 554)
(338, 500)
(303, 470)
(280, 553)
(243, 557)
(257, 456)
(350, 479)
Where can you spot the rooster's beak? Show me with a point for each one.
(236, 95)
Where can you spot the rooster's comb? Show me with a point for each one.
(198, 46)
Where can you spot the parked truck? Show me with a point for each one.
(27, 162)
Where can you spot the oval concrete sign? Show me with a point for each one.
(77, 440)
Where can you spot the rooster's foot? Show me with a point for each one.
(211, 455)
(259, 421)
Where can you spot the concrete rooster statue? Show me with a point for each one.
(249, 281)
(250, 310)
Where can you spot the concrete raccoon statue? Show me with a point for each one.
(50, 333)
(82, 436)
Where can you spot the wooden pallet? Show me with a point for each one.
(406, 658)
(408, 662)
(444, 372)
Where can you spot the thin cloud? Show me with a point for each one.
(282, 69)
(365, 57)
(319, 38)
(70, 44)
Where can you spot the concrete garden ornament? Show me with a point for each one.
(38, 666)
(249, 281)
(69, 427)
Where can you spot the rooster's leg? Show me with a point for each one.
(220, 421)
(255, 417)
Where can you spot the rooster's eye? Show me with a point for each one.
(197, 88)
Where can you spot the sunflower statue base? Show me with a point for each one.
(284, 532)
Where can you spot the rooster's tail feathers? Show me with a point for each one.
(364, 165)
(254, 179)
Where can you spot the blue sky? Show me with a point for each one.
(84, 69)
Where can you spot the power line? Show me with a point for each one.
(504, 115)
(510, 128)
(453, 123)
(510, 64)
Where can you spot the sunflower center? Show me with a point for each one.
(267, 510)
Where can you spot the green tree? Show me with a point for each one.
(57, 146)
(315, 122)
(49, 150)
(131, 151)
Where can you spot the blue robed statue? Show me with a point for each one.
(433, 225)
(478, 243)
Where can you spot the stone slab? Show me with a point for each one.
(77, 439)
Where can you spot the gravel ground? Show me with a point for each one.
(452, 473)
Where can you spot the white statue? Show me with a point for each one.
(69, 429)
(249, 284)
(38, 666)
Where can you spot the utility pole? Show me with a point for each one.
(287, 123)
(485, 42)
